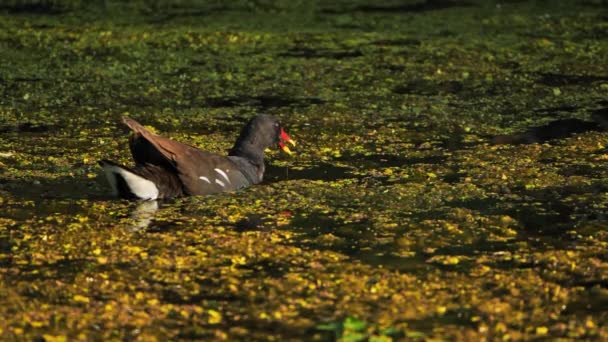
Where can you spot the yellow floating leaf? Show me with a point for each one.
(452, 260)
(81, 299)
(542, 330)
(37, 324)
(52, 338)
(135, 249)
(214, 317)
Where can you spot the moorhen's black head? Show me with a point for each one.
(261, 132)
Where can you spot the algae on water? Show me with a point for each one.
(396, 218)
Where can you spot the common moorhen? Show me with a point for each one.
(165, 168)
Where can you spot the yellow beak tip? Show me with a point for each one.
(286, 150)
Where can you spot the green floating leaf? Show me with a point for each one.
(382, 338)
(353, 337)
(391, 331)
(351, 323)
(415, 334)
(329, 327)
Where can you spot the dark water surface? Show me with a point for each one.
(395, 219)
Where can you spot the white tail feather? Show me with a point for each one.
(139, 186)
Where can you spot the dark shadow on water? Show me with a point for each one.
(417, 7)
(541, 215)
(213, 290)
(167, 16)
(259, 101)
(586, 283)
(558, 129)
(458, 316)
(268, 327)
(454, 177)
(429, 87)
(378, 160)
(591, 301)
(262, 101)
(321, 171)
(357, 240)
(476, 248)
(32, 201)
(253, 222)
(65, 269)
(465, 90)
(33, 7)
(545, 224)
(321, 231)
(544, 218)
(71, 195)
(553, 111)
(414, 265)
(559, 80)
(209, 291)
(329, 172)
(304, 52)
(26, 127)
(266, 268)
(40, 190)
(397, 42)
(361, 241)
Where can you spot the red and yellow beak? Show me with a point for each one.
(283, 138)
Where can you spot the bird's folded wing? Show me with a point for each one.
(147, 151)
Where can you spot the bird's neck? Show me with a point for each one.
(251, 152)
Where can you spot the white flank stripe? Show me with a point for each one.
(205, 179)
(223, 174)
(220, 183)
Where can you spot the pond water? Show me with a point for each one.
(396, 218)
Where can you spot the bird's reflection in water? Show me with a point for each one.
(143, 214)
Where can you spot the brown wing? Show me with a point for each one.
(149, 148)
